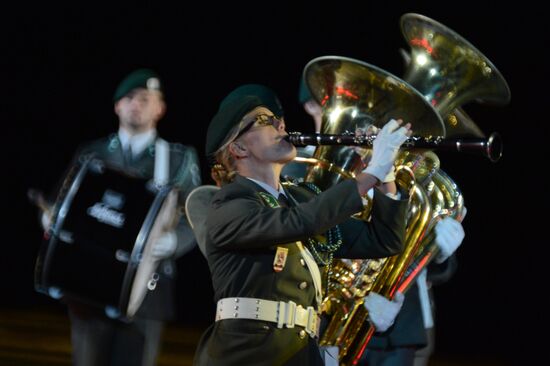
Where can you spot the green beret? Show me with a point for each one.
(229, 115)
(304, 95)
(142, 78)
(268, 96)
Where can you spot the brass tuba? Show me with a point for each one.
(446, 200)
(443, 198)
(355, 329)
(354, 95)
(450, 72)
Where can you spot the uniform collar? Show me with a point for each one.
(138, 142)
(272, 191)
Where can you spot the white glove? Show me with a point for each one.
(382, 312)
(165, 245)
(45, 221)
(448, 237)
(390, 177)
(385, 149)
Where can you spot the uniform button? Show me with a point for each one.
(303, 334)
(302, 262)
(303, 285)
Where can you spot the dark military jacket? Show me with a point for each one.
(243, 233)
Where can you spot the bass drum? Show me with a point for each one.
(98, 250)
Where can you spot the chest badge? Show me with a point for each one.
(280, 259)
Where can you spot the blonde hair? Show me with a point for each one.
(225, 170)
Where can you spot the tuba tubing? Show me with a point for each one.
(490, 147)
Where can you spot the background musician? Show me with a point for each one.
(98, 337)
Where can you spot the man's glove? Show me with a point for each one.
(448, 237)
(385, 149)
(382, 312)
(165, 245)
(45, 221)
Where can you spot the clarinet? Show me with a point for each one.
(490, 147)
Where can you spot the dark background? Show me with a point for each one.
(61, 65)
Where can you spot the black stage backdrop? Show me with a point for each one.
(60, 66)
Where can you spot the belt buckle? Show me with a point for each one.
(287, 314)
(313, 322)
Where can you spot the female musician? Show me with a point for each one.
(262, 239)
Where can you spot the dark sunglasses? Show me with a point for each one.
(261, 120)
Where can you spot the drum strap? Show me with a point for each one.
(162, 162)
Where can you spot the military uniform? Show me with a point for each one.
(244, 235)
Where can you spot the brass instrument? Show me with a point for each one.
(449, 72)
(442, 198)
(357, 95)
(356, 330)
(458, 120)
(446, 200)
(490, 147)
(354, 95)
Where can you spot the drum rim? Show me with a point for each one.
(138, 248)
(43, 267)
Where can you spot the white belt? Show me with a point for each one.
(282, 313)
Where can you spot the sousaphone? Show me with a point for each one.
(355, 94)
(450, 72)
